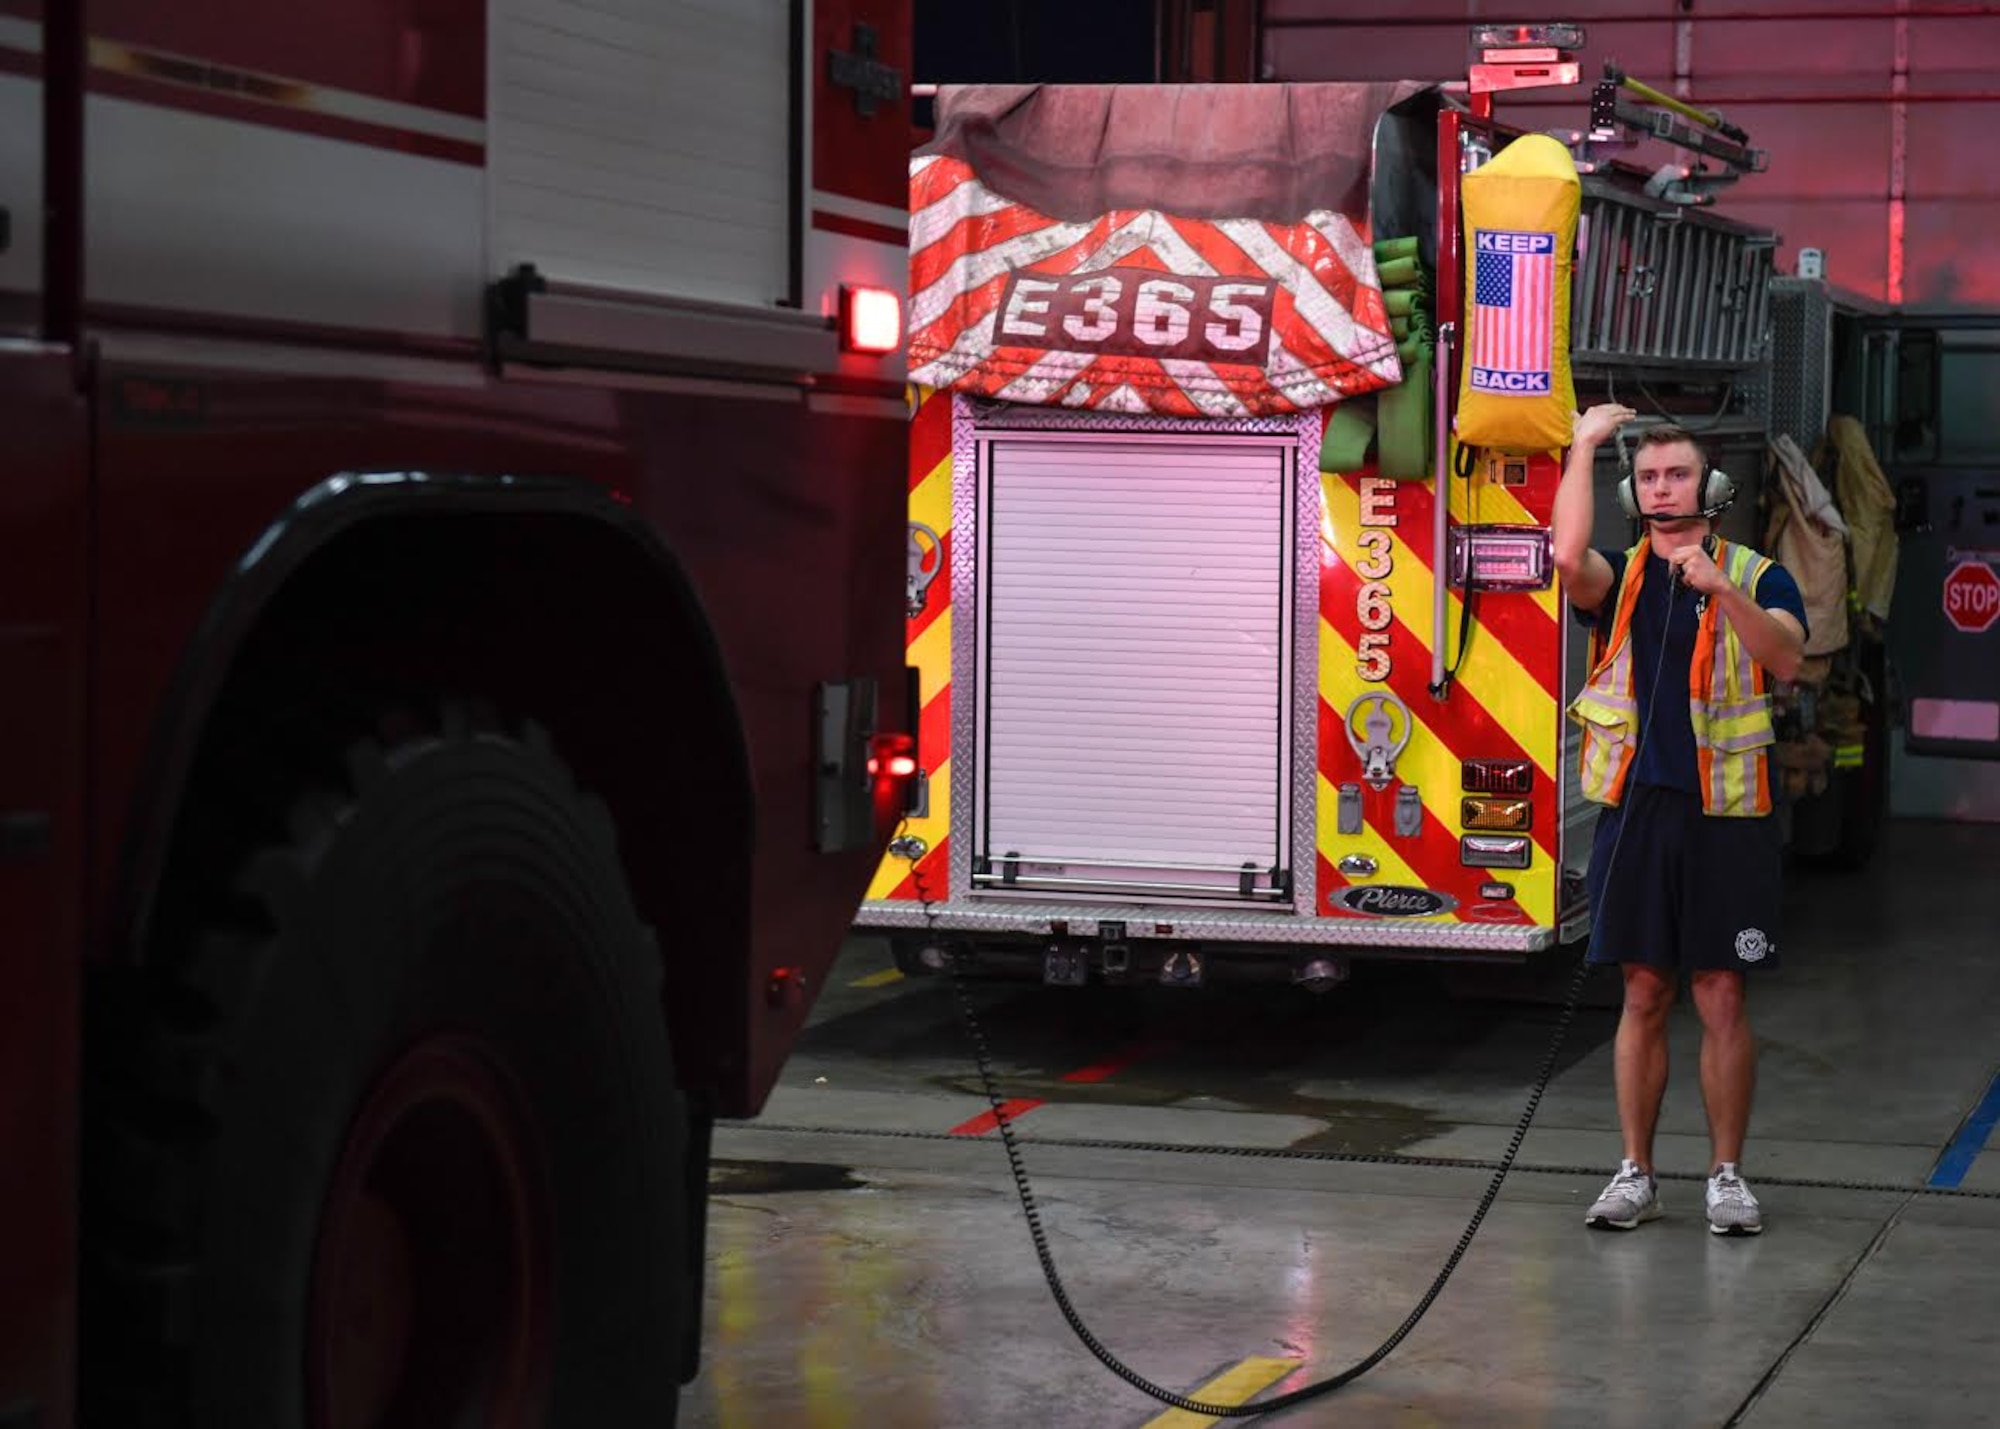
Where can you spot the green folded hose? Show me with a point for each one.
(1399, 272)
(1394, 423)
(1403, 422)
(1350, 431)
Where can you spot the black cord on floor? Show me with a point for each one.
(1032, 1211)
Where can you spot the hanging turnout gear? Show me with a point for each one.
(1728, 700)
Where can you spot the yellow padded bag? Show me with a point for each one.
(1515, 392)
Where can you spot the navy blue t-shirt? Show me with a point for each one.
(1666, 756)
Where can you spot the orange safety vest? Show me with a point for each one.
(1727, 699)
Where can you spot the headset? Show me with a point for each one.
(1717, 493)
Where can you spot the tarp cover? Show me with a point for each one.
(1192, 250)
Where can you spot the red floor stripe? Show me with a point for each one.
(1116, 1063)
(989, 1121)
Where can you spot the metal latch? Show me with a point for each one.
(1376, 740)
(1409, 812)
(918, 580)
(1349, 809)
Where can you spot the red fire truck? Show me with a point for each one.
(423, 806)
(1222, 677)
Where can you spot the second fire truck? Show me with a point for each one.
(1233, 661)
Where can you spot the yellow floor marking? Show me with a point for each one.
(881, 979)
(1235, 1385)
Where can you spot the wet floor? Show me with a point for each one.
(1259, 1185)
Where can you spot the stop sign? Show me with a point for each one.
(1972, 596)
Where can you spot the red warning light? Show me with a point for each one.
(871, 320)
(892, 757)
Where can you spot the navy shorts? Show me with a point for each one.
(1687, 891)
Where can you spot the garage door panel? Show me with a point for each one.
(1135, 636)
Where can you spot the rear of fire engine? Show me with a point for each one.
(1234, 660)
(425, 805)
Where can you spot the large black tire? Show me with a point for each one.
(395, 1139)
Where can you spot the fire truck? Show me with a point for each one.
(1233, 661)
(425, 806)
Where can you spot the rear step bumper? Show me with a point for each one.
(1217, 931)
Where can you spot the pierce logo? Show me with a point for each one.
(1391, 901)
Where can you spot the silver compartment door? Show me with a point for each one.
(1135, 662)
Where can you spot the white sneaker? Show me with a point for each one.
(1628, 1202)
(1732, 1210)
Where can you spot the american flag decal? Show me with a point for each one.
(1513, 295)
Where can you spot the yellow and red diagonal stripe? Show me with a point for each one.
(929, 647)
(1504, 704)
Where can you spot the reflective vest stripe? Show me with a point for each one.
(1732, 717)
(1607, 708)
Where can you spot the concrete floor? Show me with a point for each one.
(867, 1266)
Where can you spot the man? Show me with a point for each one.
(1684, 874)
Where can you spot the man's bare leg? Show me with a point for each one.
(1728, 1062)
(1639, 1057)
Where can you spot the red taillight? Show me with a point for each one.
(1497, 776)
(892, 757)
(871, 320)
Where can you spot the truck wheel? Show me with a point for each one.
(395, 1140)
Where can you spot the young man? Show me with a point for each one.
(1684, 874)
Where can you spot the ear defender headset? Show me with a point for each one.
(1717, 491)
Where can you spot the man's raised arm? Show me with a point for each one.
(1586, 576)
